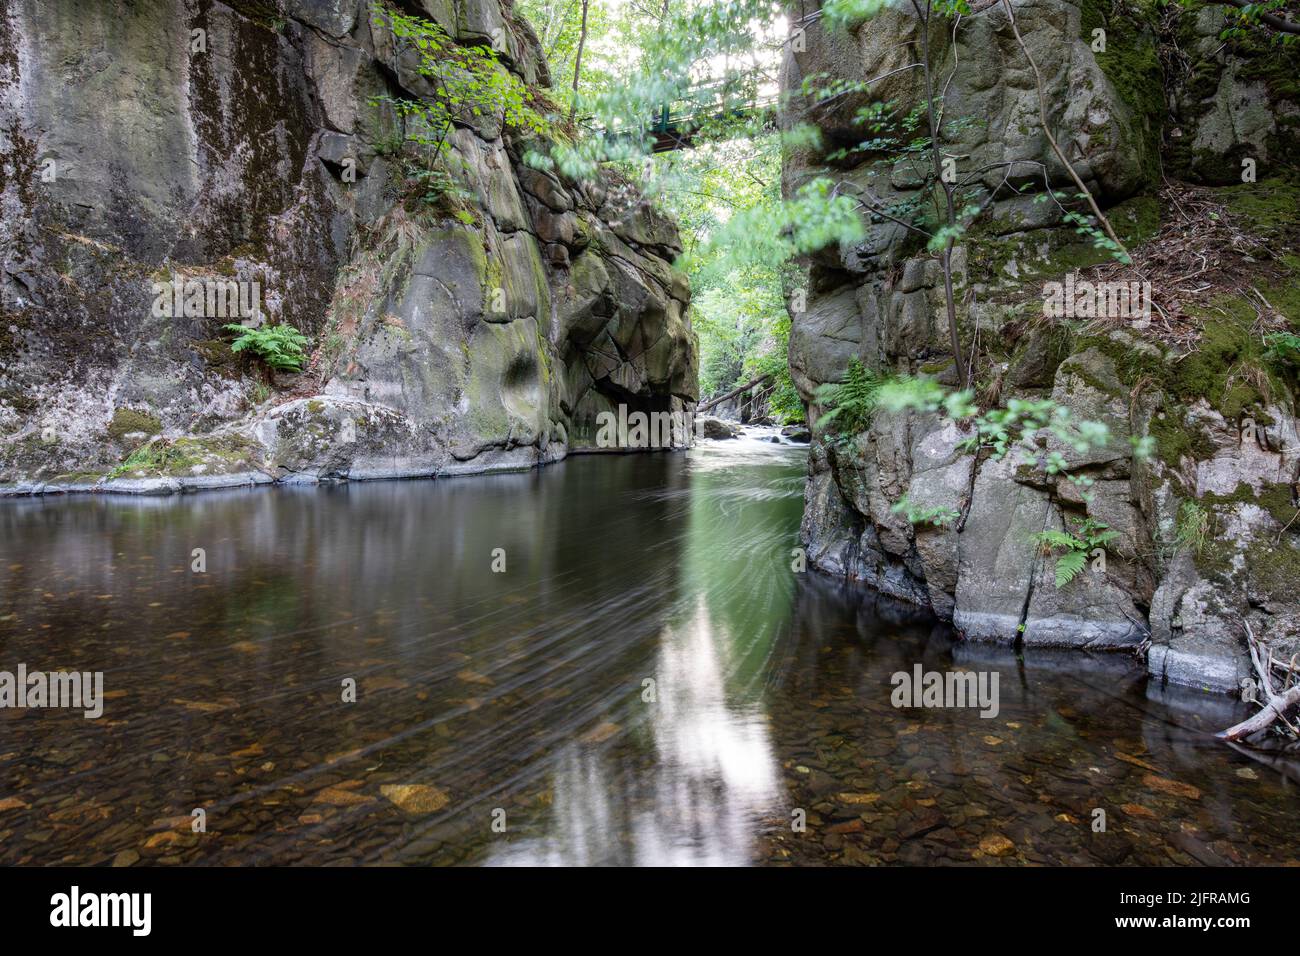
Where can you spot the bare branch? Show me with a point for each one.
(1276, 22)
(1060, 154)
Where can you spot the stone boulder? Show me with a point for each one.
(715, 429)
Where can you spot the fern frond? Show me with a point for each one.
(1068, 566)
(1101, 540)
(1059, 539)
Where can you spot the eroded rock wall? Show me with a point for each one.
(244, 141)
(881, 302)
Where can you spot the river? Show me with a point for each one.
(608, 661)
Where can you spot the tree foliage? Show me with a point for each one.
(468, 82)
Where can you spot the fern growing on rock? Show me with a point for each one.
(1077, 544)
(849, 404)
(278, 347)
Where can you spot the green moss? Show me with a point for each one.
(1250, 60)
(992, 252)
(1175, 441)
(1223, 369)
(1136, 220)
(1147, 371)
(1216, 561)
(1267, 208)
(582, 234)
(161, 458)
(1081, 367)
(1274, 65)
(19, 400)
(1285, 295)
(128, 420)
(77, 477)
(1274, 498)
(1278, 501)
(1228, 364)
(544, 356)
(1038, 354)
(216, 355)
(1273, 570)
(1131, 64)
(1131, 363)
(493, 279)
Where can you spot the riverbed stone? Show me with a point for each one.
(715, 428)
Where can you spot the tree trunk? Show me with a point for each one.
(1275, 710)
(949, 298)
(577, 63)
(1276, 22)
(735, 391)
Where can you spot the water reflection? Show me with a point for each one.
(647, 682)
(711, 775)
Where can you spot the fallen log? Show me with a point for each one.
(731, 394)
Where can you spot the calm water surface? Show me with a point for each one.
(647, 682)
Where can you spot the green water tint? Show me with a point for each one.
(522, 692)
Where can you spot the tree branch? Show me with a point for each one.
(1278, 704)
(1276, 22)
(1042, 116)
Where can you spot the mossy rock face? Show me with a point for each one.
(1274, 570)
(1131, 63)
(190, 456)
(1109, 105)
(1237, 99)
(1176, 439)
(1136, 220)
(1010, 259)
(1275, 498)
(217, 355)
(1228, 367)
(391, 273)
(129, 421)
(1038, 356)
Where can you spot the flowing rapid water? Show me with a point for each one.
(647, 681)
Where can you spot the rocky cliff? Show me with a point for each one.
(1151, 118)
(453, 327)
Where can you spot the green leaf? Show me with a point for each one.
(1059, 539)
(1069, 565)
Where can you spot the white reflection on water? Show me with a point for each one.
(703, 770)
(715, 773)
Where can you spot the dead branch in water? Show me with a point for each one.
(1276, 702)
